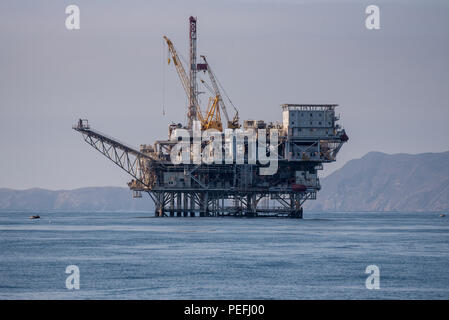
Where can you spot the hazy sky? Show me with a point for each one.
(391, 84)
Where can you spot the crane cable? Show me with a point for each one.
(163, 75)
(224, 91)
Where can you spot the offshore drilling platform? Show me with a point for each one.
(207, 170)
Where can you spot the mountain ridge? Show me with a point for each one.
(387, 182)
(81, 199)
(375, 182)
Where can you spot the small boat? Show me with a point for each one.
(35, 217)
(442, 215)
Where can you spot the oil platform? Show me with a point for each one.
(307, 137)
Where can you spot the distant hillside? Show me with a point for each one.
(376, 182)
(382, 182)
(84, 199)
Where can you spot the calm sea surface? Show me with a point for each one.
(135, 256)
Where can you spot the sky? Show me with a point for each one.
(391, 84)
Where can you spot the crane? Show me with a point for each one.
(185, 81)
(212, 119)
(179, 67)
(234, 123)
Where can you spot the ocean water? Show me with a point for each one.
(136, 256)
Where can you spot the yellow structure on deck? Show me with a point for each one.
(212, 118)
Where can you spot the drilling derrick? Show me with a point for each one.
(252, 168)
(193, 85)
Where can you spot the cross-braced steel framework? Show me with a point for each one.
(309, 137)
(200, 199)
(221, 189)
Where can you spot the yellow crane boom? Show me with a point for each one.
(181, 73)
(213, 118)
(234, 123)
